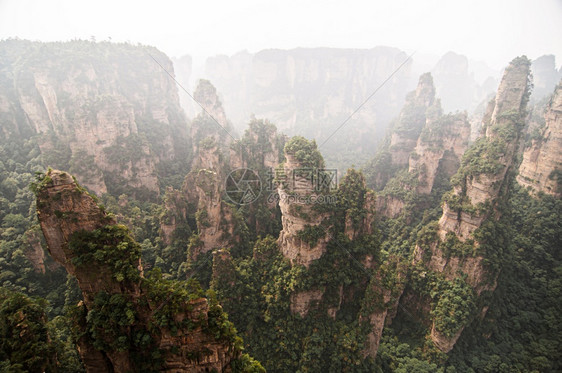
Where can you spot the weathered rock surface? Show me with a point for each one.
(423, 142)
(381, 301)
(365, 225)
(95, 113)
(64, 210)
(420, 106)
(302, 301)
(461, 83)
(35, 253)
(297, 209)
(478, 185)
(389, 206)
(545, 76)
(203, 188)
(310, 91)
(541, 168)
(211, 122)
(411, 121)
(275, 84)
(440, 147)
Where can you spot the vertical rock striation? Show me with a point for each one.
(541, 168)
(126, 321)
(211, 122)
(439, 149)
(300, 219)
(106, 112)
(203, 188)
(423, 145)
(404, 132)
(485, 166)
(451, 249)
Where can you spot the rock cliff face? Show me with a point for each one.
(423, 145)
(273, 83)
(440, 147)
(480, 182)
(411, 121)
(260, 148)
(404, 132)
(203, 188)
(202, 192)
(381, 301)
(298, 215)
(205, 193)
(545, 76)
(478, 185)
(541, 168)
(211, 122)
(106, 262)
(107, 112)
(35, 253)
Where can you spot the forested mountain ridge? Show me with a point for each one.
(314, 278)
(106, 112)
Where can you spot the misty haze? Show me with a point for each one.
(280, 186)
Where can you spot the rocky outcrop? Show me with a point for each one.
(365, 226)
(83, 238)
(478, 186)
(381, 301)
(211, 122)
(456, 82)
(34, 252)
(305, 234)
(420, 107)
(203, 188)
(411, 121)
(176, 211)
(261, 147)
(439, 149)
(389, 206)
(302, 301)
(545, 76)
(97, 114)
(541, 168)
(275, 84)
(201, 195)
(479, 182)
(297, 202)
(423, 145)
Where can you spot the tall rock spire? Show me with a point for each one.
(541, 168)
(127, 322)
(453, 250)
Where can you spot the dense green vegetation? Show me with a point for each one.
(305, 152)
(258, 293)
(522, 329)
(41, 317)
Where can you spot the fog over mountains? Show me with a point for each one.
(312, 91)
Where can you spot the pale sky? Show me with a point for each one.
(493, 31)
